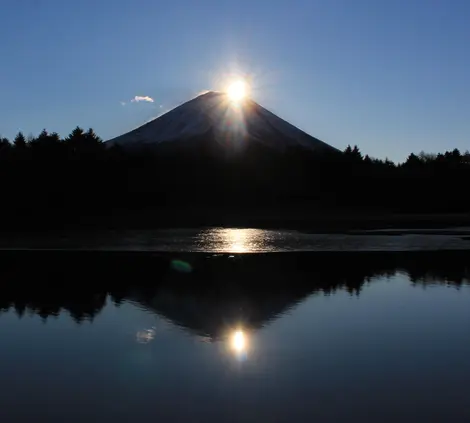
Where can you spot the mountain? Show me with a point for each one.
(212, 116)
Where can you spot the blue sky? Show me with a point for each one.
(390, 76)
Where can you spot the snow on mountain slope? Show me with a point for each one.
(214, 112)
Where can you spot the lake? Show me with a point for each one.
(204, 337)
(241, 240)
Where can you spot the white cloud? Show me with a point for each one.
(138, 98)
(123, 103)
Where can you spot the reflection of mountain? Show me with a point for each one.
(220, 292)
(211, 313)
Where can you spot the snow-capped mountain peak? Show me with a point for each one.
(215, 114)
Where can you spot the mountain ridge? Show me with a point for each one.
(227, 121)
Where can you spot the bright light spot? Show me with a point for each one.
(239, 341)
(237, 90)
(237, 240)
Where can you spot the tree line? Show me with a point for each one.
(49, 178)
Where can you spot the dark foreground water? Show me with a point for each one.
(250, 338)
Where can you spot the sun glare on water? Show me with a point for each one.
(237, 90)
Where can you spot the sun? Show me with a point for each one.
(237, 90)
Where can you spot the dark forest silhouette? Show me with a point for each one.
(256, 288)
(50, 179)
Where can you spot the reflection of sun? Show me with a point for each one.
(237, 90)
(238, 341)
(225, 240)
(238, 240)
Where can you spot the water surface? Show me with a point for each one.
(241, 240)
(275, 338)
